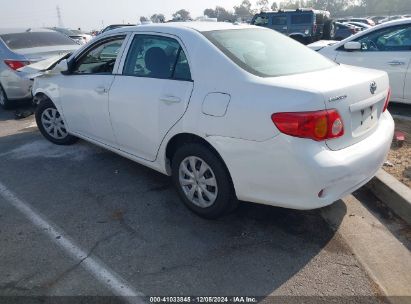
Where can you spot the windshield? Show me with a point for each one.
(35, 39)
(266, 53)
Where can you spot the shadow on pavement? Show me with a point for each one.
(144, 232)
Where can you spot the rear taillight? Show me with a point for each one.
(16, 64)
(315, 28)
(387, 101)
(318, 126)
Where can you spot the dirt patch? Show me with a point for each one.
(399, 158)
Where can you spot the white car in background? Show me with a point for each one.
(385, 47)
(229, 111)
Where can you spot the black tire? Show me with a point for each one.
(4, 101)
(300, 39)
(45, 105)
(329, 30)
(225, 201)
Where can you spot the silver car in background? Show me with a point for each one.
(21, 47)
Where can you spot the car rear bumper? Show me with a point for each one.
(16, 86)
(290, 172)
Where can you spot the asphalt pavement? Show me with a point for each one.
(82, 221)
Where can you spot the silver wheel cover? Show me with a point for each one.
(198, 182)
(53, 123)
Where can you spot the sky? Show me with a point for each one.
(95, 14)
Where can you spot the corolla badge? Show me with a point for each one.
(337, 98)
(373, 87)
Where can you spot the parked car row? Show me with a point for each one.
(303, 25)
(308, 25)
(76, 35)
(21, 47)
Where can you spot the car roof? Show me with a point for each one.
(199, 26)
(393, 23)
(4, 31)
(297, 11)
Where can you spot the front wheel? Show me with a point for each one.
(51, 124)
(202, 181)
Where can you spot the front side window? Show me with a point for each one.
(261, 20)
(267, 53)
(387, 40)
(279, 20)
(100, 59)
(156, 57)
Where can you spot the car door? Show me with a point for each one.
(84, 90)
(151, 95)
(387, 49)
(407, 86)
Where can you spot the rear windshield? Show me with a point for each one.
(35, 39)
(267, 53)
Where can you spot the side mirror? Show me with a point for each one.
(353, 46)
(62, 66)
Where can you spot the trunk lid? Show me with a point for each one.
(358, 94)
(41, 53)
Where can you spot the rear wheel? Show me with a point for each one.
(300, 39)
(4, 101)
(52, 125)
(202, 181)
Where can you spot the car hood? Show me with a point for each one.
(318, 45)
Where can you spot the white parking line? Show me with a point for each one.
(101, 272)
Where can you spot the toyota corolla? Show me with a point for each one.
(231, 112)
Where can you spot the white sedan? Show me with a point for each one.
(231, 112)
(385, 47)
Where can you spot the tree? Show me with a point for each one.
(210, 13)
(220, 13)
(262, 5)
(244, 10)
(158, 18)
(143, 19)
(274, 6)
(182, 15)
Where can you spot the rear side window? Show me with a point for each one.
(279, 20)
(302, 19)
(35, 39)
(156, 57)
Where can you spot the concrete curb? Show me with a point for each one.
(386, 260)
(392, 193)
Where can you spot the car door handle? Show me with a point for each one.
(101, 90)
(396, 62)
(169, 99)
